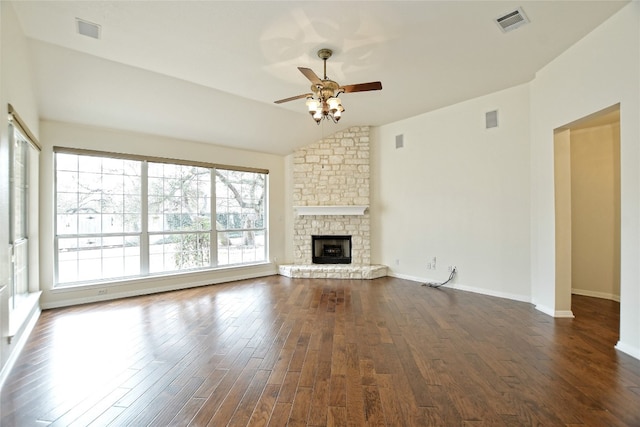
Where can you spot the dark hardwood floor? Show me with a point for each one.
(279, 351)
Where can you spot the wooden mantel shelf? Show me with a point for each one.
(330, 210)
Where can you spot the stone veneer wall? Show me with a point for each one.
(333, 172)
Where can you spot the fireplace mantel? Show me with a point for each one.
(330, 210)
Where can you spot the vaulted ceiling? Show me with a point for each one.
(209, 71)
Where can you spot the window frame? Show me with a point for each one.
(144, 233)
(20, 308)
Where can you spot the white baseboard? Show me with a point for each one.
(491, 293)
(461, 287)
(407, 277)
(566, 314)
(595, 294)
(546, 310)
(628, 349)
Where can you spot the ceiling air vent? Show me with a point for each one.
(512, 20)
(87, 28)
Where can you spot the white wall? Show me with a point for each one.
(16, 88)
(599, 71)
(459, 192)
(78, 136)
(595, 211)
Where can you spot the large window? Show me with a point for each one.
(22, 159)
(123, 217)
(23, 232)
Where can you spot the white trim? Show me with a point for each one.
(19, 345)
(270, 271)
(491, 293)
(560, 314)
(460, 287)
(594, 294)
(330, 210)
(628, 349)
(544, 309)
(390, 273)
(156, 277)
(564, 314)
(19, 316)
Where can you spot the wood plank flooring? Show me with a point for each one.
(302, 352)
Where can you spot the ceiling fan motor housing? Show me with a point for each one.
(326, 91)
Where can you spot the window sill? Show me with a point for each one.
(19, 316)
(152, 278)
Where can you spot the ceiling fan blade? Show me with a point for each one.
(361, 87)
(308, 73)
(280, 101)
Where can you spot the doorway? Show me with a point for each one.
(587, 194)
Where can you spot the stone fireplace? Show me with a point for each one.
(331, 198)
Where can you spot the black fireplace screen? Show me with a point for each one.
(331, 249)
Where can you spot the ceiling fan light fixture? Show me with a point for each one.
(334, 104)
(323, 101)
(313, 105)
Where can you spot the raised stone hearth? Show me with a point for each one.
(333, 271)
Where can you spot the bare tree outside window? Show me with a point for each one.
(240, 215)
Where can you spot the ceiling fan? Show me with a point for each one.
(323, 100)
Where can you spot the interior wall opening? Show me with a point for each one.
(587, 193)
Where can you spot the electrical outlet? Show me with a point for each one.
(397, 261)
(428, 266)
(102, 291)
(450, 268)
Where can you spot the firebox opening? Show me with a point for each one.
(331, 249)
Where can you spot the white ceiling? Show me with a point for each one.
(209, 71)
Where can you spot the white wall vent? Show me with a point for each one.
(491, 119)
(87, 28)
(512, 20)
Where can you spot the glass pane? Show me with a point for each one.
(89, 224)
(132, 203)
(132, 223)
(90, 182)
(113, 203)
(155, 169)
(239, 200)
(178, 197)
(67, 202)
(237, 247)
(67, 181)
(162, 249)
(89, 164)
(112, 184)
(112, 223)
(67, 224)
(66, 162)
(113, 166)
(98, 258)
(171, 252)
(131, 185)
